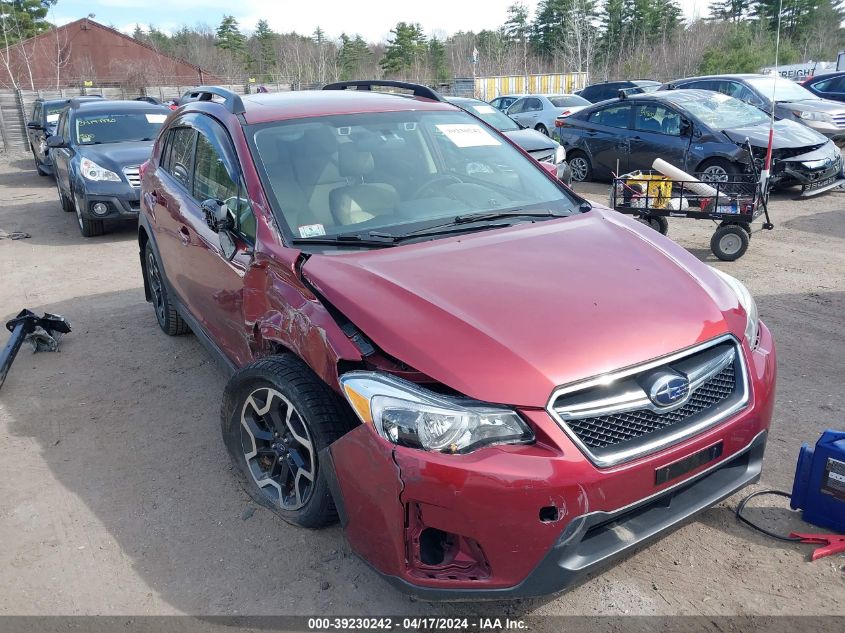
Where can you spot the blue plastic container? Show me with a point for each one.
(819, 487)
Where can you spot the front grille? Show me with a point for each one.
(609, 430)
(133, 175)
(624, 415)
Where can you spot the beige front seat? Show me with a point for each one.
(316, 170)
(360, 201)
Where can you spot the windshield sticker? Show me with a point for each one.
(311, 230)
(52, 118)
(86, 138)
(484, 109)
(156, 118)
(100, 121)
(467, 135)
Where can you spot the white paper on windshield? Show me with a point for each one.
(52, 118)
(312, 230)
(484, 109)
(467, 135)
(156, 118)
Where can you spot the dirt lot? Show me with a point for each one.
(116, 491)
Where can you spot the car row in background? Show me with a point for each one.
(538, 145)
(789, 100)
(45, 118)
(699, 131)
(96, 152)
(539, 111)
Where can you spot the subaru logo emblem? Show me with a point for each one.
(668, 388)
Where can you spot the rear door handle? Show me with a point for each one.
(185, 236)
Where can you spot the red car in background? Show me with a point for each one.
(493, 384)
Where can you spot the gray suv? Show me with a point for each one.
(791, 100)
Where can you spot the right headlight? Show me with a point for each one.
(92, 171)
(409, 415)
(752, 325)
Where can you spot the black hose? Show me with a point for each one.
(741, 507)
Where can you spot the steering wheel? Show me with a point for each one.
(444, 178)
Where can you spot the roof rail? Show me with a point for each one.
(231, 100)
(366, 84)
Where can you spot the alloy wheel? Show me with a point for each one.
(156, 286)
(715, 173)
(579, 168)
(278, 449)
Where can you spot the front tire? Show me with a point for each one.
(542, 129)
(579, 163)
(168, 317)
(657, 222)
(277, 416)
(88, 227)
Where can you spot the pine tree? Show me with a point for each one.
(265, 57)
(353, 56)
(730, 10)
(404, 49)
(549, 27)
(517, 28)
(438, 62)
(22, 19)
(229, 36)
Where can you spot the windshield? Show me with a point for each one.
(93, 129)
(785, 90)
(401, 171)
(568, 101)
(721, 112)
(489, 115)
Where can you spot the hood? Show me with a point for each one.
(116, 156)
(813, 105)
(531, 140)
(507, 315)
(788, 134)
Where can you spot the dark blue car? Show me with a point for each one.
(97, 152)
(828, 86)
(699, 131)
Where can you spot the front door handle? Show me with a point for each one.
(185, 236)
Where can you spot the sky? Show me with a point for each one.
(372, 19)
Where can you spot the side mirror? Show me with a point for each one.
(56, 142)
(686, 127)
(34, 125)
(216, 215)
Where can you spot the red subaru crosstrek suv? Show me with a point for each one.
(495, 385)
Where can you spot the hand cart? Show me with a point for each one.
(733, 202)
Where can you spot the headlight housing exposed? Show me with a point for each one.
(409, 415)
(560, 154)
(752, 325)
(814, 116)
(92, 171)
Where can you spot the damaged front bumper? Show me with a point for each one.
(526, 520)
(815, 172)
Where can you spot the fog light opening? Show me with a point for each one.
(432, 546)
(100, 208)
(549, 514)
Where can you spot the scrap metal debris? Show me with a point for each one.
(14, 235)
(43, 334)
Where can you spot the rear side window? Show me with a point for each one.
(36, 112)
(614, 116)
(180, 149)
(532, 105)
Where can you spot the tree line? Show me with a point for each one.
(608, 39)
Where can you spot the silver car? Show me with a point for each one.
(791, 100)
(540, 111)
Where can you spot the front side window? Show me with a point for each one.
(393, 171)
(657, 119)
(490, 115)
(517, 106)
(120, 127)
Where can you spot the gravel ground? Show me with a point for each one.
(116, 491)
